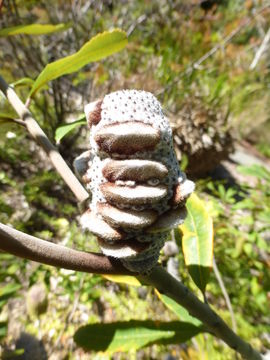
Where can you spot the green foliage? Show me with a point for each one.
(97, 48)
(181, 312)
(8, 290)
(63, 130)
(6, 118)
(197, 241)
(241, 222)
(123, 336)
(34, 29)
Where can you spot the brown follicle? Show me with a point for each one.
(127, 219)
(93, 112)
(135, 195)
(177, 198)
(90, 221)
(133, 173)
(122, 249)
(169, 220)
(127, 137)
(82, 164)
(134, 169)
(181, 193)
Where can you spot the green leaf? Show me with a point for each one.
(133, 334)
(9, 290)
(197, 241)
(34, 29)
(6, 118)
(3, 329)
(123, 279)
(99, 47)
(63, 130)
(179, 310)
(23, 82)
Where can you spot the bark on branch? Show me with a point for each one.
(32, 248)
(42, 139)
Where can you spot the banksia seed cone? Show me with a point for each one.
(138, 191)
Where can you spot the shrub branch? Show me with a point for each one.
(41, 138)
(32, 248)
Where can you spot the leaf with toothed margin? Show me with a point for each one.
(99, 47)
(197, 241)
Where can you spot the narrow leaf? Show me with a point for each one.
(179, 311)
(63, 130)
(34, 29)
(197, 241)
(23, 82)
(99, 47)
(127, 335)
(123, 279)
(6, 118)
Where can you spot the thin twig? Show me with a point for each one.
(42, 139)
(225, 294)
(260, 51)
(32, 248)
(133, 26)
(19, 122)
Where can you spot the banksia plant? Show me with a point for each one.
(138, 191)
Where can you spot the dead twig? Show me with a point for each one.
(260, 51)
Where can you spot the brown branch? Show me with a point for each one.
(167, 284)
(32, 248)
(42, 139)
(29, 247)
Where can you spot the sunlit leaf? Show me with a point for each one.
(179, 310)
(99, 47)
(34, 29)
(197, 241)
(63, 130)
(123, 279)
(127, 335)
